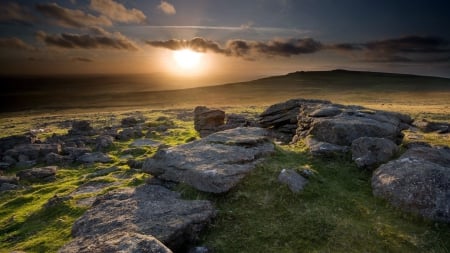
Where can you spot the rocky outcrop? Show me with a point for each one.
(148, 210)
(8, 183)
(417, 182)
(82, 127)
(38, 175)
(368, 152)
(207, 121)
(431, 126)
(215, 163)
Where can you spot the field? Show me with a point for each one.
(335, 213)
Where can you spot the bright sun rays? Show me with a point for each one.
(187, 60)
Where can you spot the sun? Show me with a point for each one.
(187, 59)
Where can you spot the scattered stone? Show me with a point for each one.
(145, 143)
(56, 200)
(10, 142)
(54, 159)
(104, 142)
(82, 127)
(8, 180)
(200, 249)
(38, 175)
(96, 157)
(368, 152)
(4, 166)
(320, 148)
(74, 152)
(148, 210)
(430, 126)
(26, 152)
(132, 121)
(135, 164)
(293, 180)
(103, 172)
(206, 121)
(417, 182)
(8, 187)
(215, 163)
(129, 133)
(115, 241)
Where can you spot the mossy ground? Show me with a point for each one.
(335, 213)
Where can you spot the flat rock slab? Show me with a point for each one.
(417, 182)
(145, 143)
(215, 163)
(150, 210)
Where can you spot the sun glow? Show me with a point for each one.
(187, 59)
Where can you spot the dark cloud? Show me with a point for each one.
(15, 13)
(403, 49)
(87, 41)
(117, 11)
(14, 43)
(243, 48)
(71, 18)
(82, 59)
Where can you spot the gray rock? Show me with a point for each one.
(215, 163)
(368, 152)
(9, 187)
(132, 121)
(129, 133)
(38, 175)
(82, 127)
(8, 180)
(104, 142)
(293, 180)
(75, 152)
(10, 142)
(430, 126)
(4, 166)
(320, 148)
(416, 185)
(115, 241)
(145, 143)
(54, 159)
(148, 210)
(95, 157)
(327, 111)
(439, 156)
(207, 121)
(200, 249)
(103, 172)
(27, 152)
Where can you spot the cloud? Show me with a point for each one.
(243, 48)
(167, 8)
(87, 41)
(82, 59)
(404, 49)
(71, 18)
(14, 43)
(117, 12)
(15, 13)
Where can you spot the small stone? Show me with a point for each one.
(294, 181)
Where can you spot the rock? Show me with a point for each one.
(56, 200)
(132, 121)
(200, 249)
(215, 163)
(293, 180)
(8, 187)
(430, 126)
(75, 152)
(96, 157)
(5, 165)
(54, 159)
(145, 143)
(10, 142)
(81, 127)
(7, 159)
(320, 148)
(103, 172)
(148, 210)
(135, 164)
(206, 121)
(38, 175)
(368, 152)
(115, 241)
(104, 142)
(327, 111)
(27, 152)
(352, 123)
(8, 180)
(417, 184)
(129, 133)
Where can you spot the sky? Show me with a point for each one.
(234, 39)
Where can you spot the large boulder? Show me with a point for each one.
(207, 121)
(417, 182)
(215, 163)
(38, 175)
(117, 241)
(368, 152)
(150, 210)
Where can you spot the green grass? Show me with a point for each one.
(335, 213)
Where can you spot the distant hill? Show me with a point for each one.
(90, 92)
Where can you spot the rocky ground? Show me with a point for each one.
(153, 217)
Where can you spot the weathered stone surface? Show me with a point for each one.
(430, 126)
(215, 163)
(132, 121)
(145, 143)
(75, 152)
(54, 159)
(10, 142)
(9, 180)
(8, 187)
(368, 152)
(129, 133)
(148, 210)
(33, 151)
(117, 241)
(417, 184)
(95, 157)
(38, 175)
(81, 127)
(207, 121)
(320, 148)
(104, 142)
(293, 180)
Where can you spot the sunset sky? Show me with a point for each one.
(235, 38)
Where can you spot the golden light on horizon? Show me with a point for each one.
(187, 59)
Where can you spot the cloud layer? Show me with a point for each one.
(243, 48)
(403, 49)
(14, 43)
(15, 13)
(167, 8)
(117, 12)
